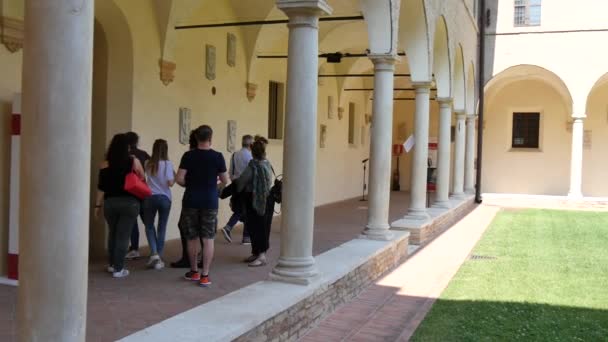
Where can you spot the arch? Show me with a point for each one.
(602, 81)
(459, 81)
(381, 18)
(471, 96)
(415, 38)
(528, 72)
(120, 65)
(112, 104)
(442, 67)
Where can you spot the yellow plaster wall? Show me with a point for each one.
(543, 172)
(595, 162)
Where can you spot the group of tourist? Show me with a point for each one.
(202, 172)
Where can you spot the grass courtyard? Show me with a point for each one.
(538, 275)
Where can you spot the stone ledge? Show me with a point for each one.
(274, 311)
(423, 231)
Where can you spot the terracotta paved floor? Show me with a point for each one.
(119, 307)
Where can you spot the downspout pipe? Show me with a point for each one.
(481, 23)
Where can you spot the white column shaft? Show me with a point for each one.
(380, 156)
(469, 160)
(459, 151)
(576, 162)
(55, 170)
(443, 154)
(417, 209)
(296, 263)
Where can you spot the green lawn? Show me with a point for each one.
(549, 282)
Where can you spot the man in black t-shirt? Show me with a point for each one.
(143, 157)
(198, 172)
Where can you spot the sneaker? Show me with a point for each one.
(121, 274)
(204, 282)
(191, 275)
(159, 265)
(246, 241)
(134, 254)
(110, 269)
(153, 261)
(227, 234)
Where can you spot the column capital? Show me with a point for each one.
(305, 12)
(422, 87)
(445, 101)
(578, 118)
(460, 114)
(471, 117)
(383, 62)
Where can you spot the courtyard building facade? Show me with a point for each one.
(354, 95)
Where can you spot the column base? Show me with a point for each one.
(445, 204)
(459, 196)
(377, 233)
(417, 215)
(469, 191)
(575, 196)
(300, 271)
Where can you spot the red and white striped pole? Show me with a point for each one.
(13, 219)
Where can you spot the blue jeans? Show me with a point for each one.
(234, 219)
(135, 231)
(160, 204)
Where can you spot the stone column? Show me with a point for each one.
(417, 209)
(55, 170)
(380, 150)
(442, 199)
(296, 263)
(576, 161)
(469, 158)
(459, 149)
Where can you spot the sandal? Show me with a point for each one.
(251, 258)
(257, 262)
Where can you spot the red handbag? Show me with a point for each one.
(136, 186)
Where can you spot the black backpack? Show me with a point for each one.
(277, 189)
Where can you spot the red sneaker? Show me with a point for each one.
(204, 282)
(191, 275)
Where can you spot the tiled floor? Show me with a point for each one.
(119, 307)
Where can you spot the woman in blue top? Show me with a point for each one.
(160, 175)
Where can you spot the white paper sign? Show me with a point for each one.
(409, 144)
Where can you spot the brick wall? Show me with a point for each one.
(294, 322)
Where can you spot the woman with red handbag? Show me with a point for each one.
(120, 189)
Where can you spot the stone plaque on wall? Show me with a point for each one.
(231, 145)
(231, 50)
(184, 125)
(330, 107)
(210, 62)
(587, 139)
(323, 136)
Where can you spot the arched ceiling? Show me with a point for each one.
(527, 72)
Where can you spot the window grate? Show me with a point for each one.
(527, 13)
(526, 130)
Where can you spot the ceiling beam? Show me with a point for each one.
(263, 22)
(325, 55)
(359, 75)
(395, 89)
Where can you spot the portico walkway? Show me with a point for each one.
(119, 307)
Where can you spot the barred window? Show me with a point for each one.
(275, 110)
(526, 130)
(527, 12)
